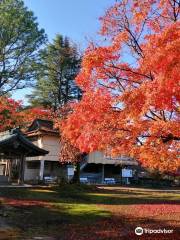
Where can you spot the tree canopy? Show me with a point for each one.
(9, 114)
(20, 40)
(12, 114)
(131, 87)
(59, 65)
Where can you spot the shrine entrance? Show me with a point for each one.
(14, 146)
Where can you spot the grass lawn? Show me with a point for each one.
(86, 212)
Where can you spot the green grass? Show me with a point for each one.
(51, 211)
(61, 205)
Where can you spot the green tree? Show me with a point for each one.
(60, 63)
(20, 39)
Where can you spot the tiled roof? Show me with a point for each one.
(40, 126)
(15, 143)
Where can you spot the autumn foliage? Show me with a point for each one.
(131, 85)
(68, 153)
(9, 113)
(30, 114)
(13, 115)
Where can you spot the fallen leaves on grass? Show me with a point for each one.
(19, 203)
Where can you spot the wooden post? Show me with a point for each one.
(21, 169)
(19, 175)
(102, 174)
(121, 175)
(41, 170)
(9, 169)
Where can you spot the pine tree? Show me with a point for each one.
(20, 40)
(59, 66)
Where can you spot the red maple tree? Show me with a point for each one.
(9, 113)
(32, 113)
(13, 115)
(131, 85)
(68, 153)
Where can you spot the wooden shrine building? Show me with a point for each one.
(14, 146)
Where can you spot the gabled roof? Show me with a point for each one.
(14, 143)
(38, 124)
(41, 126)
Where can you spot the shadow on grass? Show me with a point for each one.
(60, 225)
(89, 195)
(72, 212)
(66, 223)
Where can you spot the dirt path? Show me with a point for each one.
(120, 188)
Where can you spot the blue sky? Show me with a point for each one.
(77, 19)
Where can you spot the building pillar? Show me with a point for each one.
(102, 174)
(21, 169)
(121, 178)
(8, 169)
(41, 170)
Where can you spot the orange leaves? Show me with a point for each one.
(157, 13)
(159, 157)
(9, 113)
(68, 153)
(12, 114)
(164, 65)
(94, 59)
(32, 113)
(134, 102)
(131, 99)
(109, 20)
(83, 124)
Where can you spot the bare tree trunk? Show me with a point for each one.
(76, 177)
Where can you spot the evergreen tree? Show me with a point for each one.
(60, 63)
(20, 39)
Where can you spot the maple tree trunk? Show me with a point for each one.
(76, 177)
